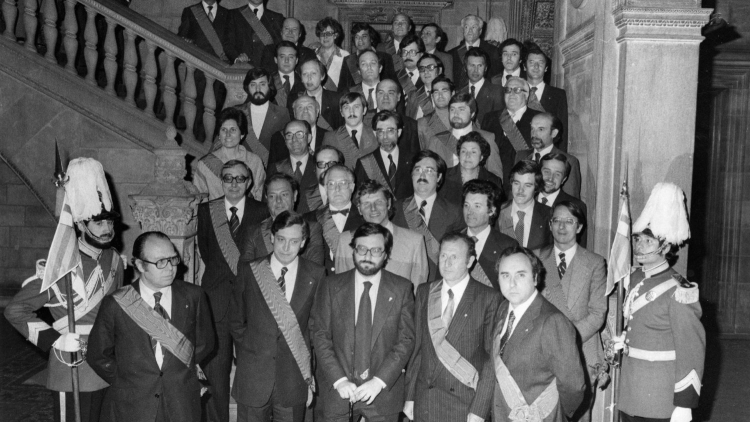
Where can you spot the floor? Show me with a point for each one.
(725, 395)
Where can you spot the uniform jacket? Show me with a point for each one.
(439, 396)
(245, 38)
(344, 143)
(402, 186)
(260, 233)
(223, 24)
(120, 352)
(539, 234)
(264, 360)
(572, 186)
(508, 154)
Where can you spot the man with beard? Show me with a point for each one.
(544, 129)
(545, 97)
(388, 94)
(293, 32)
(304, 108)
(408, 258)
(555, 171)
(489, 97)
(354, 139)
(462, 110)
(263, 117)
(313, 74)
(512, 126)
(255, 27)
(425, 212)
(434, 39)
(286, 80)
(366, 38)
(472, 30)
(512, 55)
(281, 193)
(437, 123)
(521, 217)
(363, 333)
(98, 273)
(420, 103)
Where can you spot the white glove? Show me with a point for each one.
(68, 342)
(619, 341)
(682, 414)
(409, 410)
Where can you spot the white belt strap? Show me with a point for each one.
(651, 355)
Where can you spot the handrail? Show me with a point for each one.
(131, 57)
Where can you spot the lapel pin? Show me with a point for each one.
(465, 315)
(390, 298)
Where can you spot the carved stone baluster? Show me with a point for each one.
(30, 24)
(209, 105)
(92, 39)
(110, 57)
(71, 32)
(10, 12)
(188, 105)
(151, 72)
(49, 11)
(170, 89)
(129, 74)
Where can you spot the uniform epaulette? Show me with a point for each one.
(39, 272)
(686, 291)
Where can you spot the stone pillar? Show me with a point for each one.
(170, 204)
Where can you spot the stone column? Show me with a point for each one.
(170, 204)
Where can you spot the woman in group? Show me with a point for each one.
(331, 34)
(231, 130)
(472, 150)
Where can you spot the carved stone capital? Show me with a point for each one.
(661, 24)
(175, 216)
(418, 4)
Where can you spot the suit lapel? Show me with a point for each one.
(268, 123)
(436, 216)
(458, 322)
(344, 297)
(302, 287)
(525, 325)
(178, 318)
(383, 307)
(573, 283)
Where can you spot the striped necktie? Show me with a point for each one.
(234, 222)
(520, 227)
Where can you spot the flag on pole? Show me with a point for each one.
(618, 268)
(64, 256)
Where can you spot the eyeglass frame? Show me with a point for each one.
(341, 184)
(428, 68)
(296, 135)
(325, 165)
(164, 261)
(567, 222)
(410, 53)
(376, 252)
(236, 179)
(327, 34)
(514, 90)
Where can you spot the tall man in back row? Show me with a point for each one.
(255, 28)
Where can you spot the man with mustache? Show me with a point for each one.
(412, 49)
(354, 138)
(263, 117)
(314, 74)
(544, 129)
(555, 171)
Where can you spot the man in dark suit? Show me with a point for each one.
(512, 54)
(450, 375)
(535, 355)
(369, 67)
(401, 26)
(544, 129)
(281, 192)
(512, 126)
(300, 163)
(388, 165)
(307, 109)
(489, 96)
(354, 138)
(434, 39)
(269, 317)
(292, 31)
(365, 39)
(522, 217)
(222, 229)
(543, 97)
(255, 28)
(264, 118)
(389, 95)
(555, 171)
(472, 30)
(286, 80)
(425, 212)
(363, 333)
(339, 216)
(149, 336)
(480, 212)
(313, 74)
(420, 104)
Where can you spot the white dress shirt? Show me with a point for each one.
(414, 75)
(516, 73)
(210, 13)
(290, 278)
(546, 150)
(481, 238)
(166, 302)
(313, 135)
(358, 128)
(397, 44)
(475, 44)
(340, 219)
(427, 208)
(258, 117)
(569, 254)
(458, 292)
(477, 87)
(384, 155)
(366, 91)
(260, 8)
(518, 114)
(291, 78)
(293, 161)
(539, 90)
(518, 312)
(240, 208)
(526, 219)
(550, 197)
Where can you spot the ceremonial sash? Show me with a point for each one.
(208, 30)
(649, 297)
(478, 273)
(154, 324)
(512, 132)
(265, 231)
(351, 63)
(451, 359)
(323, 123)
(424, 101)
(284, 315)
(281, 94)
(446, 147)
(330, 232)
(252, 141)
(314, 200)
(86, 306)
(346, 146)
(406, 84)
(373, 170)
(390, 48)
(333, 66)
(260, 30)
(219, 221)
(214, 164)
(415, 222)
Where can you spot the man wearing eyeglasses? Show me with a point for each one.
(489, 97)
(339, 216)
(150, 336)
(512, 125)
(317, 196)
(269, 316)
(555, 171)
(282, 192)
(420, 103)
(434, 39)
(297, 137)
(363, 333)
(354, 138)
(292, 31)
(412, 49)
(222, 229)
(472, 26)
(389, 95)
(545, 127)
(306, 108)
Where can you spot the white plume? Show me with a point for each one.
(665, 214)
(86, 189)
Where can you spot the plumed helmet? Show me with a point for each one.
(665, 215)
(87, 192)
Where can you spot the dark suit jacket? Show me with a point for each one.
(496, 243)
(293, 92)
(329, 110)
(438, 396)
(403, 185)
(218, 277)
(388, 71)
(353, 221)
(308, 179)
(498, 78)
(269, 54)
(279, 151)
(452, 187)
(562, 196)
(223, 24)
(539, 234)
(120, 352)
(264, 360)
(255, 243)
(392, 339)
(508, 155)
(555, 100)
(541, 350)
(367, 142)
(447, 60)
(245, 39)
(276, 119)
(459, 67)
(490, 98)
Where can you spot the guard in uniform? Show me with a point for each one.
(664, 343)
(88, 207)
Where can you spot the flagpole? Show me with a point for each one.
(619, 321)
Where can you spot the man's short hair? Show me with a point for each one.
(334, 24)
(408, 18)
(559, 157)
(410, 39)
(536, 264)
(287, 44)
(444, 79)
(321, 67)
(438, 33)
(257, 73)
(464, 97)
(371, 187)
(350, 98)
(288, 219)
(476, 18)
(306, 97)
(343, 168)
(236, 163)
(483, 187)
(283, 177)
(533, 48)
(370, 229)
(438, 62)
(555, 122)
(140, 243)
(458, 236)
(305, 123)
(477, 52)
(340, 154)
(528, 167)
(574, 209)
(477, 138)
(513, 41)
(235, 114)
(384, 115)
(374, 35)
(441, 166)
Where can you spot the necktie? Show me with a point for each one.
(391, 170)
(537, 157)
(342, 212)
(520, 228)
(370, 100)
(211, 13)
(505, 79)
(354, 138)
(544, 200)
(362, 337)
(422, 211)
(474, 91)
(234, 221)
(161, 311)
(562, 266)
(506, 336)
(282, 280)
(448, 312)
(298, 171)
(255, 11)
(475, 239)
(287, 85)
(411, 75)
(533, 102)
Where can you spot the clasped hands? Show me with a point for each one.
(69, 342)
(366, 392)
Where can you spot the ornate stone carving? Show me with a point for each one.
(398, 3)
(578, 3)
(660, 23)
